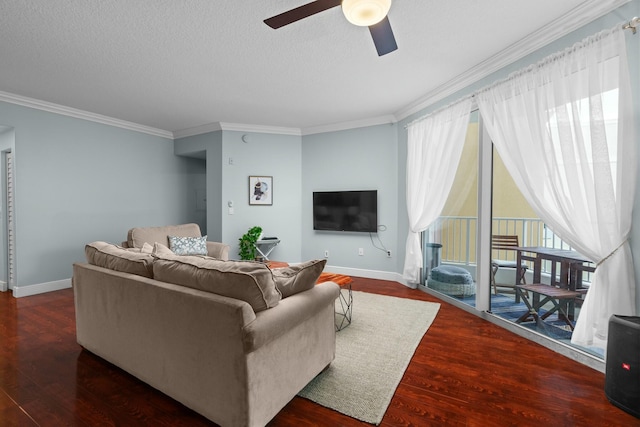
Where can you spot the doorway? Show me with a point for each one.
(7, 209)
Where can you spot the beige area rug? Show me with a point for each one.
(371, 355)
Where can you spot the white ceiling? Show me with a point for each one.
(181, 65)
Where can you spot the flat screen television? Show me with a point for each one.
(345, 210)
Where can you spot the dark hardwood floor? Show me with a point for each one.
(465, 372)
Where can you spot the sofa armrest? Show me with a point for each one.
(218, 250)
(272, 323)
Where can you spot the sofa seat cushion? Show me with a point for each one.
(297, 278)
(107, 255)
(244, 280)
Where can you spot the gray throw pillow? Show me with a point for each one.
(298, 278)
(114, 257)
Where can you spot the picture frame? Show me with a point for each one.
(260, 190)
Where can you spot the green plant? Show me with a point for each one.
(247, 243)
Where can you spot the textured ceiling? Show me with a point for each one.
(181, 64)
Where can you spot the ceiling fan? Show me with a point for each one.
(365, 13)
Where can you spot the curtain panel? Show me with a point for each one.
(435, 145)
(564, 129)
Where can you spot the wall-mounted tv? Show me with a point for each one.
(345, 210)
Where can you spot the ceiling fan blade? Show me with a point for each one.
(301, 12)
(383, 38)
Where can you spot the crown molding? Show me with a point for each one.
(374, 121)
(197, 130)
(80, 114)
(236, 127)
(240, 127)
(576, 18)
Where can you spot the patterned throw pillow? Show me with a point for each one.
(188, 245)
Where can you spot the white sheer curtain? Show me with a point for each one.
(564, 129)
(434, 148)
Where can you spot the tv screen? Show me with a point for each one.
(345, 210)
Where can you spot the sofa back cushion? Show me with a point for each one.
(136, 237)
(244, 280)
(114, 257)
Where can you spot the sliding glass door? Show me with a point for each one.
(449, 245)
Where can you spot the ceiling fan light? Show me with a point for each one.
(365, 13)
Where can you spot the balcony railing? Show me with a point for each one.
(457, 234)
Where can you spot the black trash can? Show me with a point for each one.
(432, 255)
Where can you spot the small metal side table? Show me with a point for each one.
(266, 246)
(342, 314)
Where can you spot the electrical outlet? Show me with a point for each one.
(326, 254)
(361, 251)
(388, 253)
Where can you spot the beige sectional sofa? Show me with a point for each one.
(215, 335)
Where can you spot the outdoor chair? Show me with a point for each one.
(564, 297)
(509, 243)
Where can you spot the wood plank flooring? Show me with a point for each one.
(465, 372)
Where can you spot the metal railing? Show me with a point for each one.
(457, 234)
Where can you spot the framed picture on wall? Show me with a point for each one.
(261, 190)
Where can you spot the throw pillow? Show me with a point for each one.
(298, 278)
(146, 248)
(188, 245)
(160, 250)
(107, 255)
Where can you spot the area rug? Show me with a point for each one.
(371, 355)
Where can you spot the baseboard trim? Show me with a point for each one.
(369, 274)
(40, 288)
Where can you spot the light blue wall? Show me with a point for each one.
(78, 181)
(208, 148)
(264, 154)
(227, 180)
(355, 159)
(620, 15)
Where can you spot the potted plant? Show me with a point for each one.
(247, 243)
